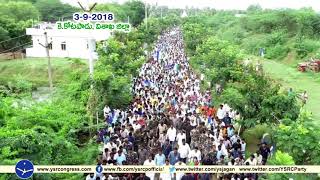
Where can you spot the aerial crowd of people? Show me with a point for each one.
(172, 122)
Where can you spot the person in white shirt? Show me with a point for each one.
(110, 145)
(221, 112)
(252, 161)
(162, 127)
(91, 176)
(304, 98)
(222, 124)
(106, 154)
(234, 138)
(223, 147)
(184, 150)
(195, 153)
(232, 113)
(124, 132)
(243, 147)
(180, 136)
(106, 111)
(193, 121)
(259, 158)
(226, 107)
(171, 134)
(136, 126)
(149, 162)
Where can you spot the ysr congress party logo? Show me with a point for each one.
(24, 169)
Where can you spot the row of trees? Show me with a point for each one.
(278, 31)
(218, 53)
(134, 11)
(254, 95)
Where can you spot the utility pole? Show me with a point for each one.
(49, 61)
(89, 40)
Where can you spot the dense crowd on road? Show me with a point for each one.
(171, 121)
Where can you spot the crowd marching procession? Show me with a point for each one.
(172, 122)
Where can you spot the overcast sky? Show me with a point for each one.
(222, 4)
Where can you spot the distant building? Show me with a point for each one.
(65, 43)
(184, 14)
(239, 15)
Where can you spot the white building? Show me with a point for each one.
(184, 14)
(239, 15)
(64, 43)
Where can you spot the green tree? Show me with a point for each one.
(15, 17)
(118, 10)
(280, 158)
(254, 8)
(53, 10)
(304, 140)
(135, 10)
(18, 11)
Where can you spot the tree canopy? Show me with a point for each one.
(54, 10)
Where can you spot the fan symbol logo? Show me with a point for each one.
(24, 169)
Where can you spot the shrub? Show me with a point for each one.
(281, 158)
(306, 46)
(254, 43)
(277, 52)
(257, 132)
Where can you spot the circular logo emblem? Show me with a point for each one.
(99, 169)
(24, 169)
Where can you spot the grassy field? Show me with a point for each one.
(35, 70)
(291, 77)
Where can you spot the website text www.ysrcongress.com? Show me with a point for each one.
(167, 169)
(64, 169)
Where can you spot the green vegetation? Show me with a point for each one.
(217, 46)
(289, 36)
(49, 132)
(134, 10)
(278, 31)
(255, 96)
(304, 139)
(54, 10)
(34, 70)
(15, 17)
(290, 77)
